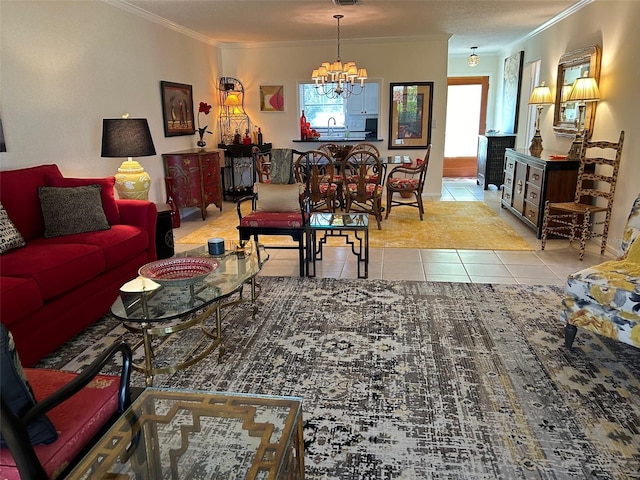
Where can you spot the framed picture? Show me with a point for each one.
(511, 92)
(177, 109)
(272, 98)
(410, 115)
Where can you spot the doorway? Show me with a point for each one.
(466, 119)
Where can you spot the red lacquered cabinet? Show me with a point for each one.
(194, 178)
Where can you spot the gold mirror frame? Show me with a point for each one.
(573, 65)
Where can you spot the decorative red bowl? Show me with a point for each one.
(178, 272)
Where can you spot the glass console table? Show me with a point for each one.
(185, 434)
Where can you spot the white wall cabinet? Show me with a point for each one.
(366, 103)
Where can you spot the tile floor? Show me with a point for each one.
(549, 267)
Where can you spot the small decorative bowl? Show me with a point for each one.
(179, 272)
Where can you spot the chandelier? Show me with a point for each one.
(334, 79)
(473, 59)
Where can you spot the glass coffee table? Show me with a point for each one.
(186, 434)
(159, 313)
(338, 225)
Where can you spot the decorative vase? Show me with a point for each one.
(201, 143)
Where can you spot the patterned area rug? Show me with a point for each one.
(456, 225)
(417, 380)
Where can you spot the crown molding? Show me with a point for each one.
(124, 5)
(558, 18)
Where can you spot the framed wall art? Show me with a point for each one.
(410, 114)
(512, 83)
(177, 109)
(272, 98)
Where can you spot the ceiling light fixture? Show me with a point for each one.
(473, 59)
(334, 79)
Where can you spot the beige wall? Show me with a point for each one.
(67, 65)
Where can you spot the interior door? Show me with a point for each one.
(466, 119)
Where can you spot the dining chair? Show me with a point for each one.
(367, 147)
(262, 162)
(315, 169)
(408, 181)
(49, 416)
(595, 188)
(363, 174)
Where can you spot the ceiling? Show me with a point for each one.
(491, 25)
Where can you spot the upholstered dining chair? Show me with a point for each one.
(408, 181)
(363, 174)
(596, 186)
(367, 147)
(262, 162)
(315, 170)
(49, 417)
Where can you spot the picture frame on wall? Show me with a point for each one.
(410, 113)
(177, 109)
(512, 87)
(272, 98)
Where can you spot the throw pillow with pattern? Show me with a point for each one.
(10, 237)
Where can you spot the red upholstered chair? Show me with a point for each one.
(49, 419)
(315, 170)
(363, 173)
(276, 209)
(408, 181)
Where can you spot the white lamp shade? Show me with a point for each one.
(585, 89)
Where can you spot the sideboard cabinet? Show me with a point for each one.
(491, 148)
(193, 178)
(530, 181)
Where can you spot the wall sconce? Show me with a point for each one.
(585, 89)
(128, 137)
(473, 59)
(540, 97)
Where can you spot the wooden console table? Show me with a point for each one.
(193, 176)
(530, 181)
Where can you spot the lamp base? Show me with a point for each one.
(132, 182)
(575, 151)
(535, 149)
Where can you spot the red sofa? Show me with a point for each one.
(53, 288)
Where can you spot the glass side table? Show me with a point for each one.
(338, 225)
(186, 434)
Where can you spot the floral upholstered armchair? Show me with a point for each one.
(605, 298)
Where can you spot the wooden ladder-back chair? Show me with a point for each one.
(408, 181)
(363, 176)
(597, 177)
(315, 170)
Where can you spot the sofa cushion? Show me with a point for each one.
(278, 198)
(17, 392)
(107, 195)
(614, 284)
(10, 237)
(119, 244)
(68, 210)
(20, 296)
(19, 195)
(56, 268)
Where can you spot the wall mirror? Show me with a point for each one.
(573, 65)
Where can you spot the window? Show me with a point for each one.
(318, 108)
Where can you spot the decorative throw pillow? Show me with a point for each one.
(108, 197)
(278, 198)
(69, 210)
(17, 392)
(10, 237)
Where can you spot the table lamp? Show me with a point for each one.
(585, 89)
(540, 97)
(128, 137)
